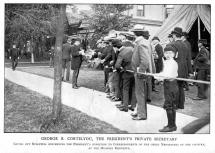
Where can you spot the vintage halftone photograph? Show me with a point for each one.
(107, 68)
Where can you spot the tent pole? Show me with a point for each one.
(199, 33)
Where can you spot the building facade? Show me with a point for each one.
(151, 16)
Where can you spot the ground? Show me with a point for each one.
(26, 111)
(93, 79)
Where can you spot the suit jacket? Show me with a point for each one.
(159, 51)
(140, 57)
(14, 53)
(76, 57)
(124, 61)
(110, 55)
(181, 58)
(66, 51)
(202, 59)
(189, 50)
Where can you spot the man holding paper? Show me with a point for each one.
(77, 59)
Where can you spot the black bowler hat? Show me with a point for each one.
(155, 38)
(170, 48)
(177, 30)
(203, 41)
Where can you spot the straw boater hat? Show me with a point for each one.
(177, 30)
(141, 28)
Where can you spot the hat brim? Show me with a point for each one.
(175, 32)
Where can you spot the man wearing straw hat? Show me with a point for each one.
(140, 63)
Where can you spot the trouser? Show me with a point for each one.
(118, 83)
(75, 77)
(51, 62)
(111, 84)
(14, 62)
(65, 64)
(140, 85)
(171, 117)
(202, 88)
(181, 95)
(128, 92)
(106, 73)
(148, 87)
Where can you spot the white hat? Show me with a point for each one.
(138, 27)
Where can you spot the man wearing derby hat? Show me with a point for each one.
(141, 62)
(182, 60)
(202, 67)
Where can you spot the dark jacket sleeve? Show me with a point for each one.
(190, 69)
(159, 51)
(119, 61)
(75, 51)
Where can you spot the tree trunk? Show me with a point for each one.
(56, 111)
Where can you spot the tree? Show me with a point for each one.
(106, 17)
(56, 111)
(30, 22)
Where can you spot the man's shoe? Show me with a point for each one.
(148, 101)
(168, 129)
(120, 106)
(74, 87)
(134, 114)
(154, 90)
(137, 118)
(124, 109)
(130, 108)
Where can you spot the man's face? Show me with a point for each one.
(173, 37)
(200, 45)
(169, 54)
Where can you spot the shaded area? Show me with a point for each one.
(26, 110)
(93, 79)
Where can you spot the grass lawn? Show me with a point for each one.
(26, 111)
(93, 79)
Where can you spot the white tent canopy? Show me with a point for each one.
(184, 16)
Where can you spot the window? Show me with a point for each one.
(140, 10)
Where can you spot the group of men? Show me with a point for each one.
(128, 57)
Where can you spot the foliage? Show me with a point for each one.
(106, 17)
(30, 22)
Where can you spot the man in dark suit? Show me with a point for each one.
(14, 55)
(202, 67)
(76, 61)
(66, 52)
(188, 51)
(182, 60)
(123, 63)
(158, 58)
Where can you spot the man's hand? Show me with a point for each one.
(10, 57)
(18, 58)
(111, 62)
